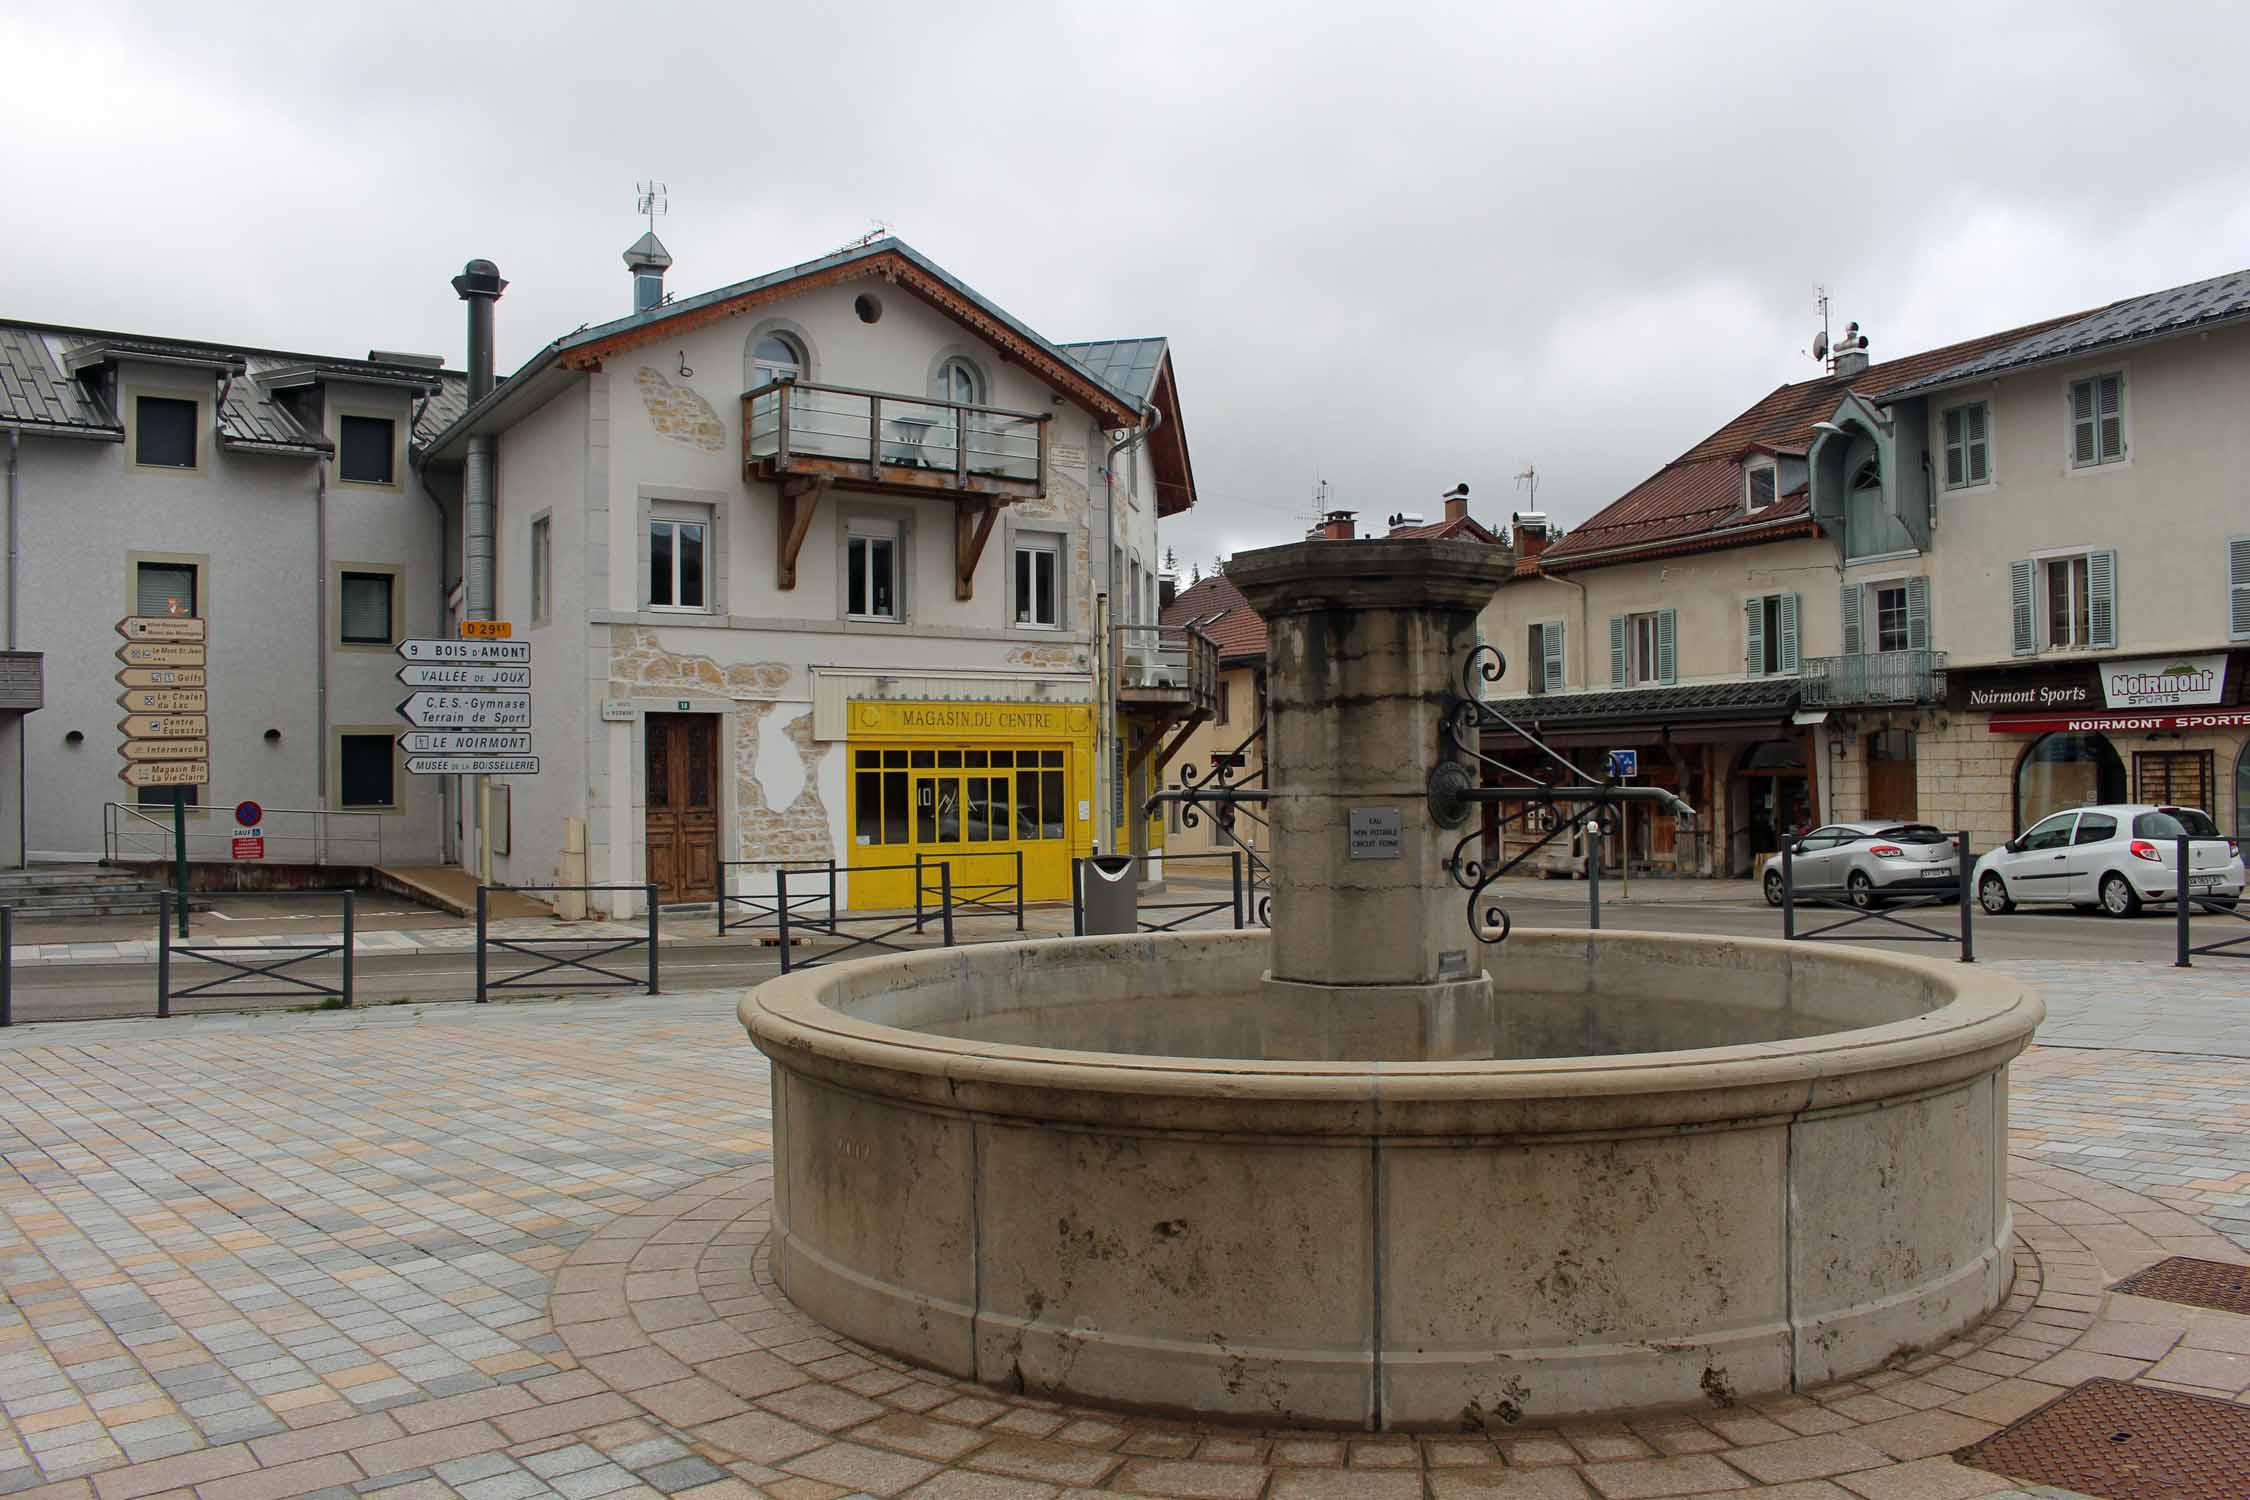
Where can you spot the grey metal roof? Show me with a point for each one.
(1663, 705)
(888, 245)
(2200, 304)
(1128, 365)
(38, 390)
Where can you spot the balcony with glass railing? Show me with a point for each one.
(1872, 679)
(892, 444)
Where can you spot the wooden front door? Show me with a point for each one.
(1891, 775)
(683, 806)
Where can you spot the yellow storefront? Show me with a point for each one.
(970, 784)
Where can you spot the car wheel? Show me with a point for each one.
(1862, 891)
(1992, 895)
(1773, 887)
(2118, 898)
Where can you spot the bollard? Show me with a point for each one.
(650, 890)
(1077, 898)
(1234, 861)
(918, 893)
(1968, 899)
(481, 907)
(2184, 959)
(781, 907)
(945, 894)
(163, 955)
(1788, 890)
(7, 966)
(1594, 873)
(1019, 890)
(347, 953)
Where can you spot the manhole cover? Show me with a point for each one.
(2195, 1283)
(2126, 1442)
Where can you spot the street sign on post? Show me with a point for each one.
(160, 654)
(163, 700)
(166, 773)
(167, 725)
(1624, 765)
(507, 678)
(462, 651)
(162, 628)
(166, 749)
(161, 677)
(438, 710)
(462, 742)
(486, 630)
(472, 765)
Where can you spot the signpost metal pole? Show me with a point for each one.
(650, 892)
(1594, 873)
(179, 851)
(163, 955)
(2182, 959)
(1968, 899)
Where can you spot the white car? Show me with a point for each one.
(2116, 857)
(1869, 861)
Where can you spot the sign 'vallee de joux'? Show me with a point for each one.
(471, 708)
(166, 729)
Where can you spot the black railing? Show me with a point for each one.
(7, 966)
(887, 929)
(753, 908)
(1238, 904)
(1875, 910)
(2189, 904)
(543, 949)
(970, 898)
(241, 964)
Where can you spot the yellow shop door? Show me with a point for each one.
(974, 809)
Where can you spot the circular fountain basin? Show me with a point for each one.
(1645, 1171)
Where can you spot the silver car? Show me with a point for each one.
(2113, 857)
(1868, 861)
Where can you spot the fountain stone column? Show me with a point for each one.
(1365, 641)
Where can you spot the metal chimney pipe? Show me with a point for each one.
(479, 285)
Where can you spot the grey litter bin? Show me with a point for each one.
(1111, 895)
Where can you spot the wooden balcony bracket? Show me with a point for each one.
(972, 528)
(799, 499)
(1145, 742)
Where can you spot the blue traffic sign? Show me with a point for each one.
(1624, 765)
(249, 814)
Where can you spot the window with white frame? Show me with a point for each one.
(1889, 606)
(2097, 420)
(1641, 649)
(679, 558)
(1038, 581)
(871, 570)
(2069, 602)
(1968, 445)
(959, 381)
(1760, 482)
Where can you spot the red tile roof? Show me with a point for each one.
(1696, 500)
(1239, 631)
(1467, 528)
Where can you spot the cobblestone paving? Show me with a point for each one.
(516, 1253)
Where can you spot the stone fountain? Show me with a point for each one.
(1366, 1171)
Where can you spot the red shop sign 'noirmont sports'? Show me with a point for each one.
(2212, 718)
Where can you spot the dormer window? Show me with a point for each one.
(1760, 482)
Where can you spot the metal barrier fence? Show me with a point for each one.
(142, 834)
(969, 898)
(1909, 932)
(756, 908)
(244, 964)
(840, 924)
(542, 949)
(2188, 903)
(1237, 903)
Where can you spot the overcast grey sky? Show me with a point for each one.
(1397, 246)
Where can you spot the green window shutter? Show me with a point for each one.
(1850, 601)
(1666, 622)
(1789, 633)
(1551, 644)
(2110, 405)
(2238, 589)
(1616, 650)
(1754, 636)
(1977, 445)
(1957, 446)
(2082, 423)
(2101, 599)
(1917, 614)
(2023, 628)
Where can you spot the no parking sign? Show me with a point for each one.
(249, 839)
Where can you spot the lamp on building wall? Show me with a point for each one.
(273, 736)
(75, 738)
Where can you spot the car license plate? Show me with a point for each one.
(2203, 882)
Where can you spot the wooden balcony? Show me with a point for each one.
(807, 439)
(1166, 672)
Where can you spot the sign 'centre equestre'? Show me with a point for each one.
(167, 726)
(471, 710)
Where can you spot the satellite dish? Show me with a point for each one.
(1820, 344)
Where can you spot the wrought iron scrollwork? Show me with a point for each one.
(1229, 791)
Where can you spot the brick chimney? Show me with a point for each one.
(1336, 526)
(1457, 503)
(1532, 533)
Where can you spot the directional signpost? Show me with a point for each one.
(167, 724)
(471, 711)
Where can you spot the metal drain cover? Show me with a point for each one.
(2193, 1283)
(2126, 1442)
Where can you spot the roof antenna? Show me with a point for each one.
(1529, 480)
(654, 201)
(877, 229)
(1820, 339)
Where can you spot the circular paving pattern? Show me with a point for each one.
(675, 1307)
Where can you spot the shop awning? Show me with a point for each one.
(2183, 718)
(1695, 713)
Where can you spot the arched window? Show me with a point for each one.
(2242, 793)
(2066, 769)
(959, 381)
(774, 356)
